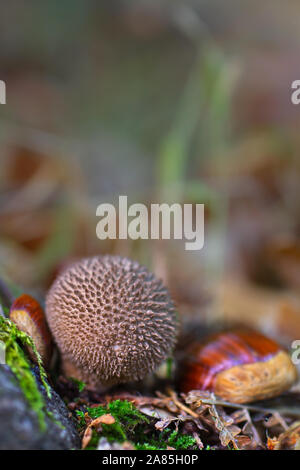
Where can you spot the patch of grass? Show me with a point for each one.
(201, 124)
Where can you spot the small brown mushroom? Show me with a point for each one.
(112, 320)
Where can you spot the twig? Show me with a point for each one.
(215, 401)
(180, 405)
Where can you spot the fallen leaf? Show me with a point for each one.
(290, 439)
(86, 437)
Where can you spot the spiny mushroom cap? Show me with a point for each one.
(112, 320)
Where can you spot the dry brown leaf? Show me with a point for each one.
(104, 419)
(244, 442)
(95, 424)
(164, 423)
(243, 416)
(274, 420)
(290, 439)
(272, 442)
(199, 443)
(227, 432)
(86, 437)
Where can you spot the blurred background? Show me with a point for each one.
(162, 101)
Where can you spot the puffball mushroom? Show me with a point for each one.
(112, 319)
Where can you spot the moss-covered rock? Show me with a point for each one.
(20, 425)
(32, 415)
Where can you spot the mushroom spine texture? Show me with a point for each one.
(112, 320)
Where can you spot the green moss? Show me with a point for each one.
(180, 441)
(131, 425)
(81, 385)
(16, 359)
(166, 438)
(127, 418)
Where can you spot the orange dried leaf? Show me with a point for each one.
(104, 419)
(87, 437)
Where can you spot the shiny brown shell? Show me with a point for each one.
(240, 366)
(28, 315)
